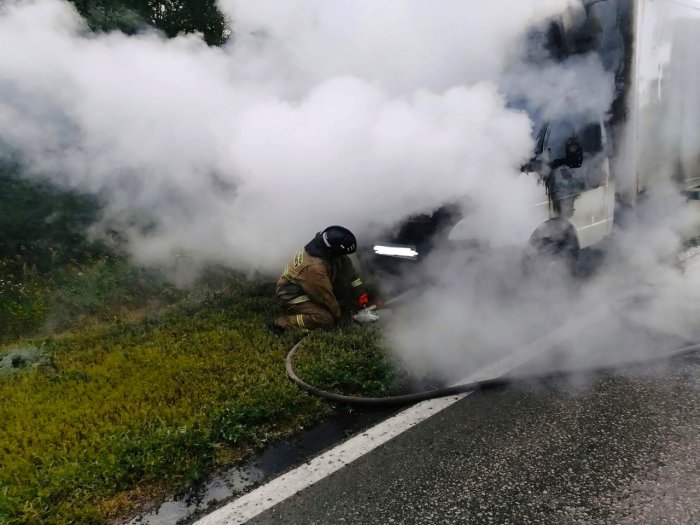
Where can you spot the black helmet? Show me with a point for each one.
(335, 241)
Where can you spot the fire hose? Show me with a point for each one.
(482, 385)
(476, 386)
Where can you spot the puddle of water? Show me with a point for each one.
(274, 459)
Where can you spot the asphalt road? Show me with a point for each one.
(621, 448)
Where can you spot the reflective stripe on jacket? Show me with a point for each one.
(309, 278)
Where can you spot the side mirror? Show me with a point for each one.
(574, 153)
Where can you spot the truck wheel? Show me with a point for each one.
(554, 243)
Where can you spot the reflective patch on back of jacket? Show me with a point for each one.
(299, 259)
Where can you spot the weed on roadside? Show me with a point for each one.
(120, 407)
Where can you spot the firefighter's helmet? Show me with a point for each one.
(336, 241)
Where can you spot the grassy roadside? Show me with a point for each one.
(122, 412)
(116, 389)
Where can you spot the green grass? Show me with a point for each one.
(349, 361)
(116, 389)
(101, 289)
(123, 412)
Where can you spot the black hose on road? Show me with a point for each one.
(477, 386)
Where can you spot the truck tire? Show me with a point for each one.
(553, 243)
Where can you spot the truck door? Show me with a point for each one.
(579, 185)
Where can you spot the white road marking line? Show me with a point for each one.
(259, 500)
(277, 490)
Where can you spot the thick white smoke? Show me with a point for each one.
(486, 305)
(401, 45)
(483, 306)
(348, 112)
(356, 113)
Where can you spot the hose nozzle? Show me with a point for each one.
(366, 315)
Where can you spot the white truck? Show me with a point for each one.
(589, 170)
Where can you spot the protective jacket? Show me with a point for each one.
(311, 287)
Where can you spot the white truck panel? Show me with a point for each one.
(666, 93)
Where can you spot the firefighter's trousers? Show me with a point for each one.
(305, 316)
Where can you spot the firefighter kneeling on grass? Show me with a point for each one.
(319, 285)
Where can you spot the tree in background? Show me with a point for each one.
(173, 17)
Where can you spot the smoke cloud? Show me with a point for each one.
(348, 112)
(485, 305)
(355, 113)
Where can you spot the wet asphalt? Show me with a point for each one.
(612, 448)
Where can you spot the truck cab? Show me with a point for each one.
(572, 163)
(586, 164)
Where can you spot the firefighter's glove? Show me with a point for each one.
(363, 300)
(367, 315)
